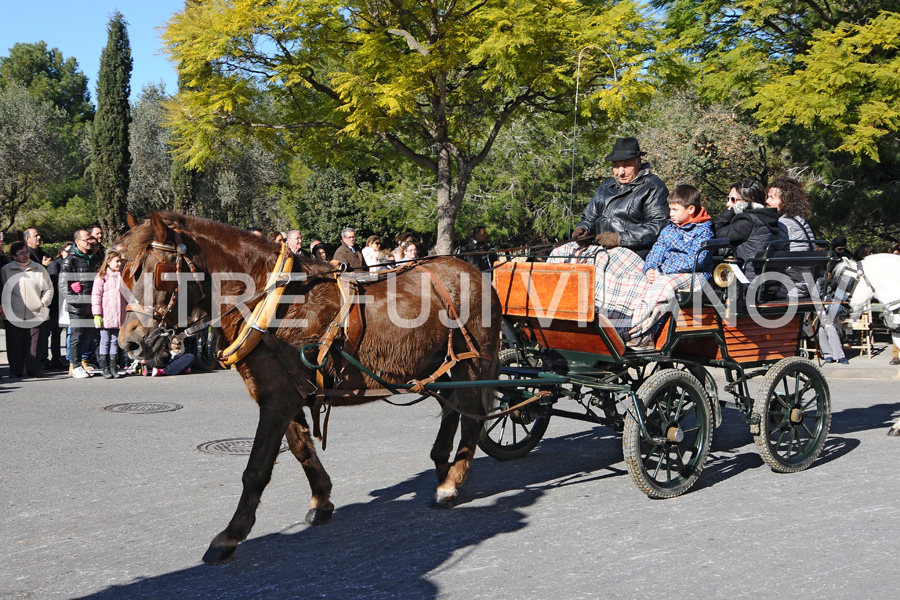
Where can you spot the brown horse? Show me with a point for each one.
(405, 333)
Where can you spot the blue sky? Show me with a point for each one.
(78, 29)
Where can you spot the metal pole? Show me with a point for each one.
(574, 137)
(575, 124)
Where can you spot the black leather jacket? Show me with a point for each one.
(749, 231)
(78, 267)
(637, 210)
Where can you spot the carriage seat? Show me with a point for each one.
(771, 260)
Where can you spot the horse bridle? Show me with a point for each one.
(163, 278)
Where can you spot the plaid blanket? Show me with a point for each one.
(619, 281)
(622, 292)
(658, 300)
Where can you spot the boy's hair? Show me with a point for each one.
(685, 195)
(109, 255)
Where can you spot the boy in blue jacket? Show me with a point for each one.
(670, 263)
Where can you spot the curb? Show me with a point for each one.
(837, 371)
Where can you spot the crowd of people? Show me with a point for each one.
(76, 291)
(646, 243)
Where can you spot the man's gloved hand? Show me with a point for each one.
(76, 286)
(98, 321)
(607, 240)
(580, 231)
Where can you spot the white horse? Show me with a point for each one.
(877, 277)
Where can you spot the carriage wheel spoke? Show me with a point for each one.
(680, 404)
(495, 423)
(808, 405)
(810, 433)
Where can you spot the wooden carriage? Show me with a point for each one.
(662, 397)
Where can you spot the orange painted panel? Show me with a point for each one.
(549, 291)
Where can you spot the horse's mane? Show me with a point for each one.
(255, 252)
(205, 233)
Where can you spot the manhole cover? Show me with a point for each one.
(234, 446)
(143, 408)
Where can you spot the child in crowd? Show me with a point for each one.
(179, 361)
(108, 308)
(670, 264)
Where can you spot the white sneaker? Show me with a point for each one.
(80, 373)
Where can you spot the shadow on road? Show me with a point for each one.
(851, 420)
(385, 548)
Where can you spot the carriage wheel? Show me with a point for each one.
(794, 413)
(678, 418)
(516, 434)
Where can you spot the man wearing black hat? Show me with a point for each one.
(630, 208)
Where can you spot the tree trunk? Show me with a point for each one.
(446, 211)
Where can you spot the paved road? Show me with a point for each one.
(103, 505)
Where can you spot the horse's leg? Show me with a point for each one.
(470, 429)
(443, 443)
(895, 428)
(271, 428)
(301, 443)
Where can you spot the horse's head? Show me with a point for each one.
(164, 285)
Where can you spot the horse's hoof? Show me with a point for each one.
(218, 555)
(445, 499)
(893, 432)
(319, 516)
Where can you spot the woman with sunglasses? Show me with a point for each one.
(746, 221)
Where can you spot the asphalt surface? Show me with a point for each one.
(105, 505)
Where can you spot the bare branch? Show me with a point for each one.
(410, 41)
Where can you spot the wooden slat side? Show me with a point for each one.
(751, 342)
(567, 335)
(556, 291)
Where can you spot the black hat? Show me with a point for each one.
(624, 149)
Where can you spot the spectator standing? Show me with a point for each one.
(410, 250)
(319, 251)
(27, 292)
(370, 252)
(96, 233)
(77, 278)
(33, 241)
(476, 251)
(54, 334)
(294, 241)
(349, 253)
(109, 312)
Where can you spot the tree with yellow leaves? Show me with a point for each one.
(432, 82)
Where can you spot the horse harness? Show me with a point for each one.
(349, 322)
(890, 313)
(162, 281)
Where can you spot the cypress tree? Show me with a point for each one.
(111, 157)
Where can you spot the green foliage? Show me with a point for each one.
(110, 151)
(149, 187)
(324, 201)
(847, 84)
(59, 223)
(376, 83)
(31, 155)
(49, 77)
(706, 145)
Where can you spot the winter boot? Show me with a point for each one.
(114, 366)
(103, 359)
